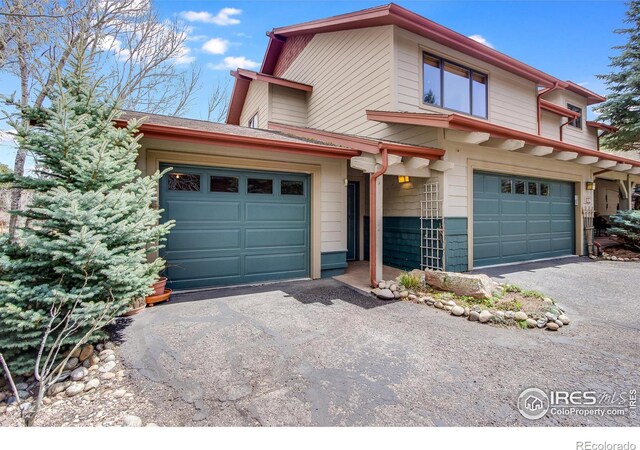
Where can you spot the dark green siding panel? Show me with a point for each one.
(332, 264)
(457, 244)
(401, 242)
(512, 227)
(226, 238)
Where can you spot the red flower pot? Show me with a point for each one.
(159, 286)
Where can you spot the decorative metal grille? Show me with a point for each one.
(432, 247)
(587, 214)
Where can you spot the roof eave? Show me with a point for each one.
(464, 123)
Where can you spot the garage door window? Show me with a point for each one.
(288, 187)
(520, 187)
(507, 186)
(184, 182)
(544, 189)
(224, 184)
(533, 188)
(259, 186)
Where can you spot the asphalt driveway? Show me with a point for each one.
(321, 353)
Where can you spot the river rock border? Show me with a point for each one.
(609, 257)
(91, 373)
(553, 319)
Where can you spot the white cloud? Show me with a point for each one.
(184, 56)
(109, 43)
(223, 17)
(234, 62)
(196, 38)
(481, 39)
(216, 46)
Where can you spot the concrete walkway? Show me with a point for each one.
(322, 353)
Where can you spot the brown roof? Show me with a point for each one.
(215, 127)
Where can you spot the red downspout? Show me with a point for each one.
(540, 94)
(564, 125)
(372, 214)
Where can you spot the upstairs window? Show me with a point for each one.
(253, 122)
(577, 123)
(452, 86)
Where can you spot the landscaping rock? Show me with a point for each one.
(132, 421)
(485, 316)
(520, 316)
(564, 319)
(477, 286)
(422, 300)
(107, 367)
(457, 310)
(552, 326)
(547, 300)
(71, 364)
(500, 314)
(559, 323)
(22, 386)
(382, 285)
(550, 316)
(91, 384)
(450, 303)
(439, 305)
(474, 316)
(79, 373)
(57, 388)
(110, 358)
(108, 376)
(404, 294)
(109, 345)
(104, 353)
(509, 314)
(532, 323)
(466, 312)
(393, 287)
(119, 393)
(74, 389)
(413, 297)
(541, 322)
(448, 308)
(396, 294)
(385, 294)
(86, 351)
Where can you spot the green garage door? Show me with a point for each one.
(235, 226)
(520, 219)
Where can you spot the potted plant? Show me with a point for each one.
(160, 292)
(137, 306)
(159, 286)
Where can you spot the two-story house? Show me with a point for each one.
(380, 135)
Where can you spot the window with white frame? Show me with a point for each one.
(452, 86)
(253, 122)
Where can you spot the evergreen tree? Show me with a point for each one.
(92, 224)
(626, 225)
(622, 108)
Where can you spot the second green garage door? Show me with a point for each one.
(521, 219)
(235, 226)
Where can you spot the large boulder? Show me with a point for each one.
(477, 286)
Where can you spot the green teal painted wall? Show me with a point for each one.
(401, 242)
(333, 263)
(457, 244)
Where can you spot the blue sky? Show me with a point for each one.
(568, 39)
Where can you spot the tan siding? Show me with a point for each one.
(288, 106)
(551, 125)
(512, 100)
(350, 71)
(398, 202)
(257, 101)
(585, 137)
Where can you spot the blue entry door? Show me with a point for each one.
(235, 226)
(520, 218)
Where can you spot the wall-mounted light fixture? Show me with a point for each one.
(403, 179)
(590, 186)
